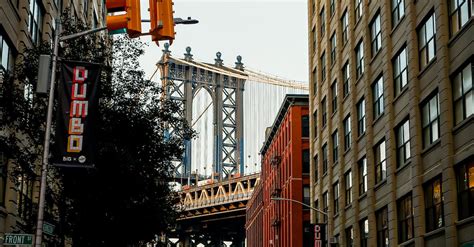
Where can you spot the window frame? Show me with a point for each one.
(358, 10)
(402, 150)
(334, 96)
(305, 157)
(381, 217)
(335, 196)
(359, 55)
(405, 218)
(464, 191)
(364, 233)
(380, 160)
(305, 126)
(324, 150)
(348, 183)
(349, 240)
(345, 27)
(400, 74)
(324, 111)
(431, 206)
(346, 79)
(363, 175)
(378, 97)
(347, 132)
(460, 100)
(333, 43)
(361, 117)
(424, 41)
(35, 21)
(397, 12)
(376, 34)
(322, 19)
(457, 13)
(335, 147)
(429, 126)
(323, 66)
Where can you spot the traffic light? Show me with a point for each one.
(161, 20)
(129, 20)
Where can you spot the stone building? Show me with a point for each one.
(392, 121)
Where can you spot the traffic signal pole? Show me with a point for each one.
(47, 136)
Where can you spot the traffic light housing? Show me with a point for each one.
(129, 20)
(162, 20)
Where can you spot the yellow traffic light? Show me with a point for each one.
(130, 20)
(161, 20)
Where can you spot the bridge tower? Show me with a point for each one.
(182, 79)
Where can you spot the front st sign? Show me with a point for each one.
(17, 239)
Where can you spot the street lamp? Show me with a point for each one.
(304, 204)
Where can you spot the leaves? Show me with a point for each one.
(125, 199)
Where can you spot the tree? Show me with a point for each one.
(125, 199)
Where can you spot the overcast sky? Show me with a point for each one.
(271, 36)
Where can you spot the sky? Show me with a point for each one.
(271, 36)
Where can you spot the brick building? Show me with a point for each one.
(285, 174)
(392, 121)
(25, 23)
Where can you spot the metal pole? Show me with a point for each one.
(47, 136)
(304, 204)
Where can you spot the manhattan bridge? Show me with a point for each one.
(230, 108)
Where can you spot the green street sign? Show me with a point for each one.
(48, 228)
(20, 239)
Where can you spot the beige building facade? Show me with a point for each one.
(25, 23)
(392, 128)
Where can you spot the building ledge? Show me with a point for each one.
(465, 221)
(434, 232)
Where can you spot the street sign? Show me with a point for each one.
(48, 228)
(20, 239)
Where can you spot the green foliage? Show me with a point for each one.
(125, 199)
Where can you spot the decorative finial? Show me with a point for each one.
(166, 51)
(219, 61)
(239, 65)
(188, 56)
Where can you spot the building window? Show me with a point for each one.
(6, 60)
(376, 34)
(361, 117)
(460, 11)
(398, 11)
(380, 162)
(334, 96)
(315, 82)
(434, 205)
(335, 194)
(324, 111)
(427, 41)
(24, 197)
(325, 158)
(345, 79)
(345, 27)
(305, 126)
(359, 51)
(333, 48)
(362, 175)
(335, 146)
(3, 177)
(35, 21)
(325, 206)
(430, 120)
(323, 66)
(358, 10)
(348, 182)
(315, 123)
(347, 133)
(306, 196)
(364, 232)
(306, 161)
(465, 181)
(377, 91)
(382, 227)
(400, 76)
(462, 94)
(316, 167)
(350, 237)
(403, 143)
(314, 40)
(322, 18)
(332, 7)
(405, 219)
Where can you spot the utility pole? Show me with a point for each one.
(47, 136)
